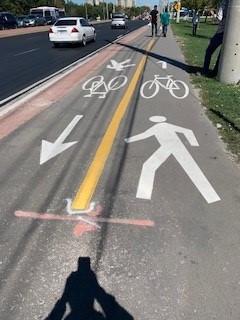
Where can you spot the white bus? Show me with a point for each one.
(51, 14)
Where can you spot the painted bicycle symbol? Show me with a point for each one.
(177, 88)
(97, 85)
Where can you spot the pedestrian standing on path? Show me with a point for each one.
(165, 18)
(154, 18)
(216, 41)
(195, 21)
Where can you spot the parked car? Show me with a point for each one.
(119, 21)
(21, 21)
(34, 20)
(50, 20)
(72, 30)
(7, 21)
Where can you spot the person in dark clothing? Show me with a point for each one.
(215, 42)
(195, 21)
(154, 18)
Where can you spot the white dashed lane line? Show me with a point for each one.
(25, 52)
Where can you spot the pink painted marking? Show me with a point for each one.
(80, 228)
(95, 212)
(51, 216)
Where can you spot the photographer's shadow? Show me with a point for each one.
(81, 289)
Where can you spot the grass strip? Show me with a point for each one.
(221, 101)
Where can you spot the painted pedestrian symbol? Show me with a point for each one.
(166, 134)
(119, 66)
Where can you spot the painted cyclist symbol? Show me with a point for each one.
(97, 85)
(177, 88)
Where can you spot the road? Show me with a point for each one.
(114, 192)
(30, 57)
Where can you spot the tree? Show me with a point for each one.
(18, 7)
(200, 4)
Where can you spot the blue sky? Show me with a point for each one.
(139, 3)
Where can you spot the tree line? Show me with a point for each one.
(104, 9)
(22, 7)
(201, 4)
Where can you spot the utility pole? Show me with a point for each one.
(113, 7)
(177, 7)
(229, 64)
(86, 13)
(107, 10)
(103, 4)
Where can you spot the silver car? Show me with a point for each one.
(34, 20)
(119, 21)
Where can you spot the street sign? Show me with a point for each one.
(177, 6)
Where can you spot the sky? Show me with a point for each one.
(139, 3)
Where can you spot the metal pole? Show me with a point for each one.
(107, 10)
(178, 11)
(86, 13)
(103, 8)
(229, 64)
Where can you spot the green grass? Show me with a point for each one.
(221, 100)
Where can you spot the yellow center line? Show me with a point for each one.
(85, 192)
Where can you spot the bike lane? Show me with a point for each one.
(164, 249)
(182, 176)
(36, 248)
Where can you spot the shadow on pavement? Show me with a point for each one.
(189, 69)
(80, 291)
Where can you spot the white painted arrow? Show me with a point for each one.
(49, 150)
(164, 64)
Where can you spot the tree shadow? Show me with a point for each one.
(188, 68)
(200, 36)
(80, 292)
(227, 120)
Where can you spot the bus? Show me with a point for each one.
(51, 14)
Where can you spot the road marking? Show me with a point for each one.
(119, 66)
(96, 85)
(177, 88)
(33, 38)
(25, 52)
(87, 219)
(170, 144)
(87, 188)
(50, 150)
(84, 224)
(164, 64)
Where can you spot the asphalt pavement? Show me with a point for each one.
(134, 212)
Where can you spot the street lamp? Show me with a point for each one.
(86, 13)
(103, 10)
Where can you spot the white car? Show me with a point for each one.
(72, 30)
(119, 21)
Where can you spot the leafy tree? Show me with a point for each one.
(18, 7)
(200, 4)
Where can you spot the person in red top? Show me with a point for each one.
(154, 18)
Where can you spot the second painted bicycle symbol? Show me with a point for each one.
(177, 88)
(98, 86)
